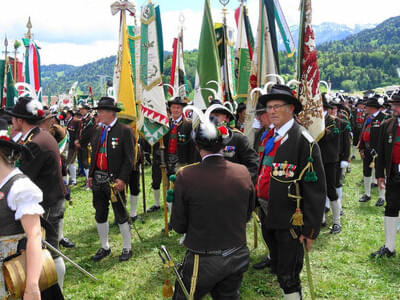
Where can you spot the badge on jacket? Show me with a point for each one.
(114, 142)
(229, 151)
(284, 169)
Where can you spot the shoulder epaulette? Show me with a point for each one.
(184, 167)
(237, 130)
(308, 136)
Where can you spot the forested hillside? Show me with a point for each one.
(366, 60)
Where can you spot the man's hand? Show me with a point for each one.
(90, 182)
(119, 185)
(308, 241)
(76, 143)
(362, 154)
(381, 183)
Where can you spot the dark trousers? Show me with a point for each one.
(286, 257)
(356, 135)
(101, 200)
(338, 181)
(218, 275)
(330, 174)
(392, 197)
(54, 215)
(134, 182)
(83, 157)
(156, 170)
(367, 171)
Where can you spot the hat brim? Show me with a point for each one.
(372, 104)
(183, 104)
(25, 117)
(396, 101)
(225, 112)
(108, 107)
(14, 146)
(264, 99)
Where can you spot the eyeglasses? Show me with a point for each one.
(275, 107)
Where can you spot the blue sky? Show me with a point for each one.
(81, 31)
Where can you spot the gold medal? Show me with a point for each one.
(275, 172)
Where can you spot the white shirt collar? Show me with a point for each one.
(212, 154)
(324, 113)
(177, 120)
(26, 134)
(285, 128)
(111, 124)
(375, 113)
(17, 137)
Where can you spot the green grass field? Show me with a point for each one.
(340, 263)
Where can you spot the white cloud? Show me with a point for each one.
(75, 54)
(81, 31)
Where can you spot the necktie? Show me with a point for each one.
(104, 134)
(369, 120)
(270, 144)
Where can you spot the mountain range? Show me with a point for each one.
(358, 58)
(327, 32)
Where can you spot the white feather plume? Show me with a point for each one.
(34, 106)
(207, 128)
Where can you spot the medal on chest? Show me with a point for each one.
(114, 142)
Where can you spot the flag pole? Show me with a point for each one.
(226, 92)
(5, 68)
(163, 167)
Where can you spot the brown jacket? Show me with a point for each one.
(383, 162)
(45, 168)
(213, 201)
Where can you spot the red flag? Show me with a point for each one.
(173, 65)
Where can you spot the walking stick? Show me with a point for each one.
(163, 167)
(255, 230)
(168, 262)
(308, 267)
(69, 260)
(255, 216)
(143, 185)
(115, 196)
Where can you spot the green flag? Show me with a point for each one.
(2, 66)
(153, 121)
(12, 92)
(208, 65)
(244, 54)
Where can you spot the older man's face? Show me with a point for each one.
(279, 112)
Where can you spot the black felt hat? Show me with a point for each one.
(395, 98)
(218, 107)
(284, 93)
(375, 101)
(27, 108)
(7, 145)
(107, 103)
(177, 100)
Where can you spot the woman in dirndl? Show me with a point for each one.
(20, 213)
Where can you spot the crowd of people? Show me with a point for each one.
(288, 178)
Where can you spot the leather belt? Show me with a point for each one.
(224, 253)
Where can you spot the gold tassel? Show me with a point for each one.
(113, 195)
(167, 291)
(297, 218)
